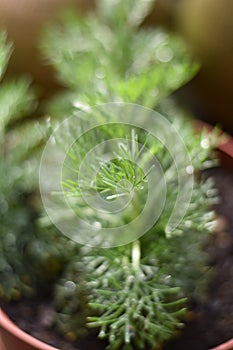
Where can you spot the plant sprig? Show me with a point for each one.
(129, 300)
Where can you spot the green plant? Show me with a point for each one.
(134, 293)
(15, 101)
(104, 57)
(28, 257)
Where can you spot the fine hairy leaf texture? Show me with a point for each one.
(25, 251)
(135, 294)
(106, 57)
(132, 299)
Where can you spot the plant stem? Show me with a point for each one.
(136, 247)
(136, 254)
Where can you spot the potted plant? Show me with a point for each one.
(129, 284)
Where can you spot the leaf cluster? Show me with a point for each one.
(104, 58)
(143, 305)
(28, 257)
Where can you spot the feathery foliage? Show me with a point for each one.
(137, 292)
(105, 57)
(28, 257)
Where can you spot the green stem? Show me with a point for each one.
(136, 254)
(136, 246)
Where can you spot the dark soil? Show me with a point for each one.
(212, 320)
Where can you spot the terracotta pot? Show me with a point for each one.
(225, 346)
(12, 338)
(225, 150)
(226, 153)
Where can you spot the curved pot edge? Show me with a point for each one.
(228, 345)
(8, 326)
(225, 148)
(15, 331)
(226, 153)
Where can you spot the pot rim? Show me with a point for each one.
(228, 345)
(10, 327)
(227, 146)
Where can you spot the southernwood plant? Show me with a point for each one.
(16, 103)
(134, 294)
(26, 252)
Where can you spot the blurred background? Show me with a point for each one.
(206, 25)
(23, 20)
